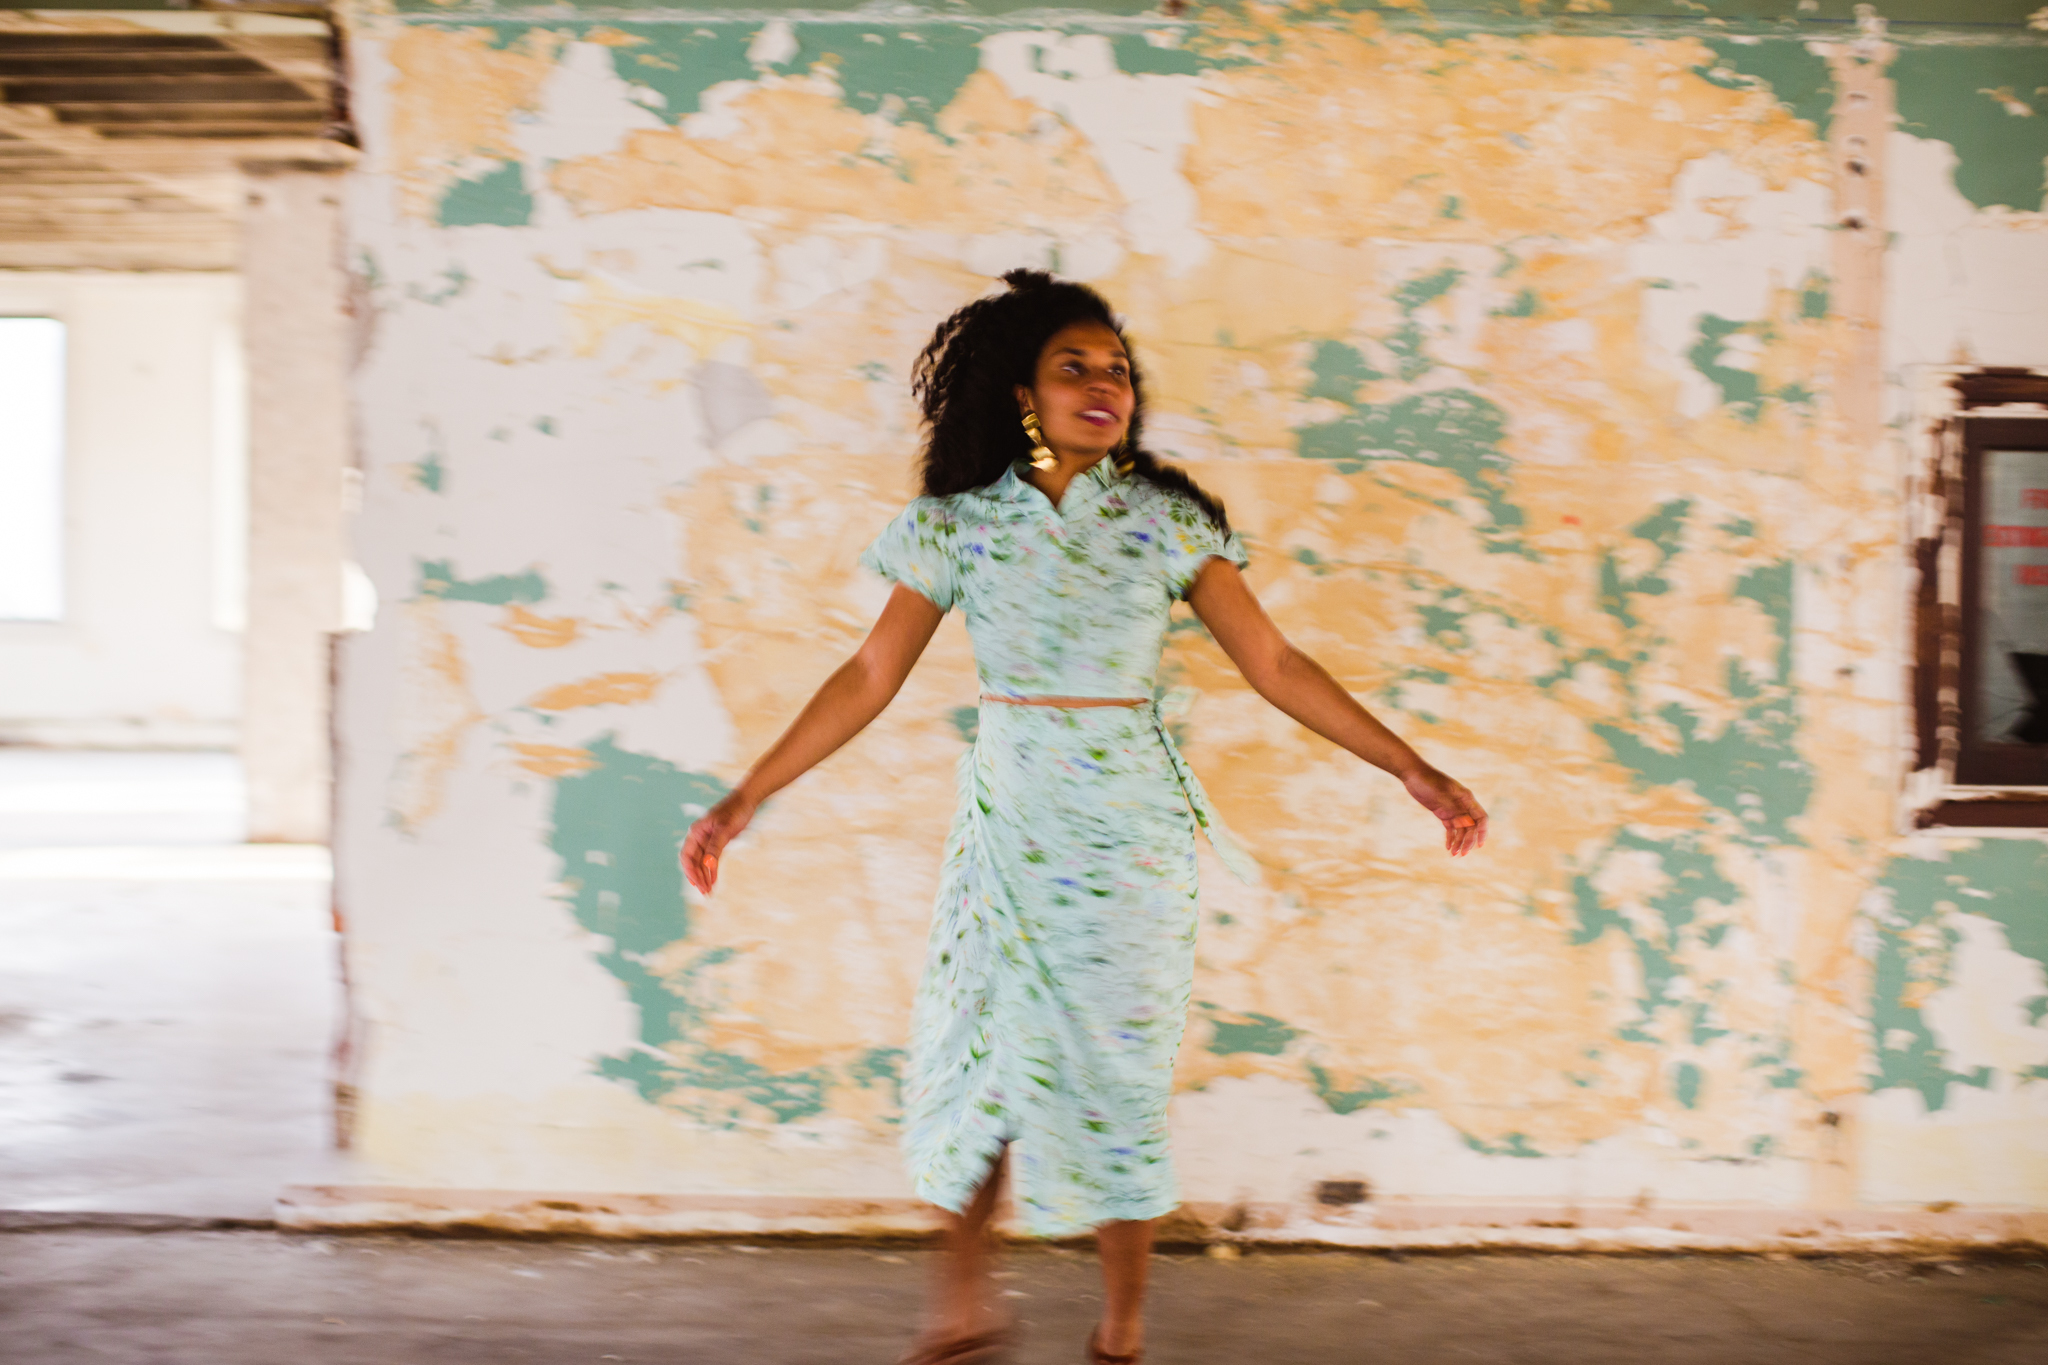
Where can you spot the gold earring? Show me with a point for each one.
(1041, 454)
(1121, 457)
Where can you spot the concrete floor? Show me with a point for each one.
(224, 1298)
(166, 1009)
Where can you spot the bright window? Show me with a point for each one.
(31, 469)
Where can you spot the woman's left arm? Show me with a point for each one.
(1300, 687)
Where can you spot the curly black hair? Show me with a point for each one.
(965, 378)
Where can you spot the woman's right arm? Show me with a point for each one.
(854, 695)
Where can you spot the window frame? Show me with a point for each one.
(1959, 782)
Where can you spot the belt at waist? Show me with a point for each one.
(1072, 702)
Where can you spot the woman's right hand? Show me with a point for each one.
(707, 839)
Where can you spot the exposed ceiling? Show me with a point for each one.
(121, 131)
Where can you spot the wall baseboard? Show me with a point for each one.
(1380, 1225)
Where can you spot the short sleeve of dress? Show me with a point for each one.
(1191, 544)
(917, 550)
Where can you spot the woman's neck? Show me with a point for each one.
(1054, 482)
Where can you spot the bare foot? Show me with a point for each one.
(1119, 1340)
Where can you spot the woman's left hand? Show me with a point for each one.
(1447, 799)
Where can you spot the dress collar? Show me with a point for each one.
(1090, 484)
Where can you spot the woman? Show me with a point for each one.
(1062, 949)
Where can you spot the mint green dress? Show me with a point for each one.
(1056, 981)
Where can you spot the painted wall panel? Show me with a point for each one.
(1522, 358)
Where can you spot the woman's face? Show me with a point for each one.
(1082, 391)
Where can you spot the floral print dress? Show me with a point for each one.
(1056, 981)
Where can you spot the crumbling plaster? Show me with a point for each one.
(1556, 371)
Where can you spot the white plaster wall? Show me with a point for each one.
(139, 658)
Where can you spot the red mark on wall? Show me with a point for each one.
(2030, 575)
(2016, 537)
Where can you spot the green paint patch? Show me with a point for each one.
(1137, 55)
(1409, 343)
(1513, 1144)
(1526, 304)
(905, 74)
(1770, 587)
(1418, 290)
(1337, 371)
(497, 198)
(1445, 625)
(1741, 390)
(1813, 297)
(1776, 1067)
(879, 1066)
(1991, 105)
(455, 282)
(966, 721)
(2004, 880)
(437, 579)
(1692, 875)
(1664, 529)
(1798, 79)
(679, 62)
(616, 828)
(428, 471)
(1453, 429)
(1752, 769)
(1370, 1091)
(1686, 1080)
(1259, 1033)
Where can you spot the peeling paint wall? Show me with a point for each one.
(1553, 358)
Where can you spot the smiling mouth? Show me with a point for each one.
(1100, 417)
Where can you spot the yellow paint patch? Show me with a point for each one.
(439, 711)
(551, 760)
(1534, 136)
(606, 689)
(453, 100)
(540, 632)
(803, 151)
(700, 326)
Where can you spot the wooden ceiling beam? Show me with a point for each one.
(120, 147)
(55, 44)
(85, 146)
(310, 65)
(80, 65)
(263, 89)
